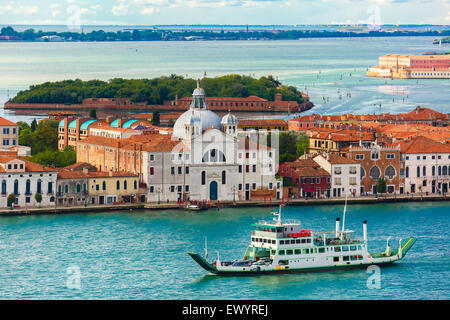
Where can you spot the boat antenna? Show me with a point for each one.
(206, 249)
(345, 210)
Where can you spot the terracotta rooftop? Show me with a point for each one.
(261, 122)
(6, 122)
(422, 144)
(80, 174)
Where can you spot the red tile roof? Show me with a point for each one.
(6, 122)
(423, 145)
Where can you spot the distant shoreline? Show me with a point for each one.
(6, 212)
(142, 34)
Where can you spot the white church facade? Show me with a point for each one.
(211, 161)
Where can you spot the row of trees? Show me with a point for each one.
(163, 35)
(42, 137)
(156, 90)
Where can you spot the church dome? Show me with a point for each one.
(198, 114)
(229, 119)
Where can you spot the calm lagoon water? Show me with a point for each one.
(142, 254)
(325, 68)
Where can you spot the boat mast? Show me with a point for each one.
(206, 249)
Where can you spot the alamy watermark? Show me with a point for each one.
(374, 280)
(73, 277)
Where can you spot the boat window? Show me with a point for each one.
(253, 239)
(298, 251)
(315, 250)
(273, 252)
(292, 241)
(359, 247)
(308, 240)
(305, 251)
(321, 250)
(281, 252)
(344, 248)
(336, 259)
(289, 252)
(352, 248)
(337, 249)
(281, 241)
(346, 258)
(298, 241)
(303, 240)
(353, 257)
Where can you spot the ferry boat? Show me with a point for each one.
(284, 247)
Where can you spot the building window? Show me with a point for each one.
(118, 185)
(390, 172)
(374, 173)
(125, 185)
(203, 177)
(39, 186)
(224, 175)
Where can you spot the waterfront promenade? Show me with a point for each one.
(222, 204)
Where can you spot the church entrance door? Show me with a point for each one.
(213, 190)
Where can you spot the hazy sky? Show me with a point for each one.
(149, 12)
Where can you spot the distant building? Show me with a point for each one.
(404, 66)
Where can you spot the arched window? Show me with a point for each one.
(16, 187)
(59, 190)
(125, 185)
(135, 184)
(28, 187)
(39, 186)
(389, 172)
(374, 173)
(363, 173)
(224, 177)
(4, 186)
(104, 185)
(78, 187)
(444, 170)
(214, 155)
(439, 170)
(118, 185)
(203, 177)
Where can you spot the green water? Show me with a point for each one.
(142, 254)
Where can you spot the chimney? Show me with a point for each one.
(337, 226)
(278, 97)
(365, 231)
(176, 99)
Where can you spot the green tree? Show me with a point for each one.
(11, 199)
(381, 186)
(155, 118)
(23, 125)
(38, 197)
(93, 114)
(33, 125)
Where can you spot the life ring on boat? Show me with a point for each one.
(357, 241)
